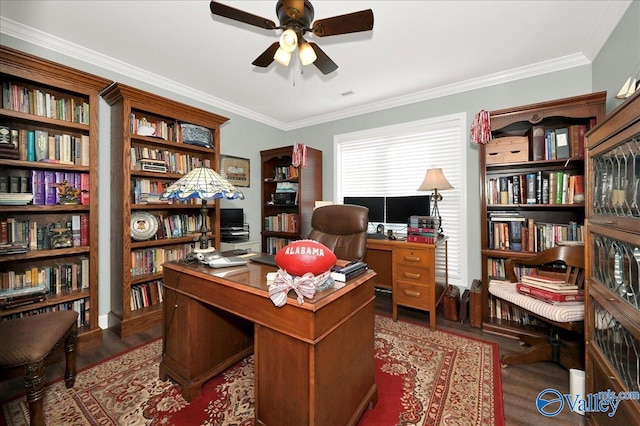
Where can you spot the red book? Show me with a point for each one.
(84, 229)
(550, 295)
(421, 239)
(84, 186)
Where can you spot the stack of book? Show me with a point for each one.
(550, 290)
(345, 273)
(422, 229)
(12, 298)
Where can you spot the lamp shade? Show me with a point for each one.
(307, 54)
(204, 183)
(288, 40)
(434, 180)
(282, 57)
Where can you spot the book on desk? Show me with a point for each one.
(350, 270)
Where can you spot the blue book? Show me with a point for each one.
(37, 186)
(50, 191)
(31, 146)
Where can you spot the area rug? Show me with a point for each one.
(424, 377)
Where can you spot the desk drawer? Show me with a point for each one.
(410, 294)
(413, 275)
(415, 257)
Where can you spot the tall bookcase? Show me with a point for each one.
(288, 195)
(612, 306)
(146, 138)
(59, 105)
(524, 158)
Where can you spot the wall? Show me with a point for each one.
(245, 138)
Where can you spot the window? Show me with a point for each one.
(392, 161)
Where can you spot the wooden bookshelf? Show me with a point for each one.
(544, 220)
(289, 214)
(136, 270)
(72, 114)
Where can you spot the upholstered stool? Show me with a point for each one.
(27, 342)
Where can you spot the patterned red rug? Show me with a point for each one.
(424, 377)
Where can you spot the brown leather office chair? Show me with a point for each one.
(342, 228)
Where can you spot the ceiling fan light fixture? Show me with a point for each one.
(288, 40)
(307, 54)
(282, 57)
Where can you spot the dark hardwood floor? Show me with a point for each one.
(520, 384)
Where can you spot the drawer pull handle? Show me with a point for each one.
(412, 293)
(412, 259)
(412, 275)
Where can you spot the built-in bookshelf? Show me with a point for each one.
(612, 305)
(532, 188)
(49, 190)
(289, 194)
(154, 141)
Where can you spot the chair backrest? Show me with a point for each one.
(342, 228)
(571, 256)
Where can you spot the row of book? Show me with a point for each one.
(146, 294)
(512, 231)
(558, 143)
(44, 146)
(174, 162)
(82, 306)
(285, 172)
(550, 290)
(275, 244)
(283, 222)
(38, 235)
(351, 270)
(42, 184)
(16, 97)
(54, 279)
(174, 131)
(149, 261)
(536, 188)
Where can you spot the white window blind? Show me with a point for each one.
(393, 160)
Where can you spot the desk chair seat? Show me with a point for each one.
(26, 342)
(342, 228)
(564, 341)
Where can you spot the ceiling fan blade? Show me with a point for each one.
(265, 59)
(294, 8)
(344, 24)
(241, 16)
(323, 62)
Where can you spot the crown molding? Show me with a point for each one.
(56, 44)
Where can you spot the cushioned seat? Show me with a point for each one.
(27, 342)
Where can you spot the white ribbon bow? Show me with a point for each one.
(304, 286)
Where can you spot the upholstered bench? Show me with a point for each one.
(28, 341)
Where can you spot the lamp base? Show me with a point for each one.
(207, 250)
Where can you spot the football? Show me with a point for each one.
(302, 256)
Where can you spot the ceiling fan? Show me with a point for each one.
(295, 17)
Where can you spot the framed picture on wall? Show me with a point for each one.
(235, 170)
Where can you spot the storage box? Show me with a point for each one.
(510, 149)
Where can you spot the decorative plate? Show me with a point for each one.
(144, 225)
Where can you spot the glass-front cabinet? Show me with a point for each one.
(613, 263)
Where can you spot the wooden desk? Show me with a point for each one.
(409, 271)
(313, 362)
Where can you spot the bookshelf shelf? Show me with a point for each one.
(546, 211)
(276, 166)
(30, 77)
(131, 107)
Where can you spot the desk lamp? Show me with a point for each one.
(434, 180)
(206, 184)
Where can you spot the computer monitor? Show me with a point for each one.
(374, 204)
(231, 217)
(399, 209)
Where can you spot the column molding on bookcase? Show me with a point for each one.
(125, 102)
(563, 118)
(64, 83)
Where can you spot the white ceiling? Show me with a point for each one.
(417, 50)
